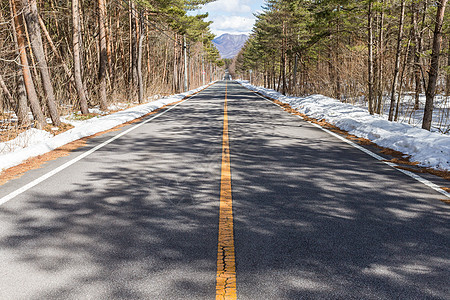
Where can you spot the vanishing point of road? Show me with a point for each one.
(222, 196)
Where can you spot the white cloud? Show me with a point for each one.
(234, 6)
(233, 24)
(231, 16)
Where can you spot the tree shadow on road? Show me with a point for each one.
(318, 219)
(313, 219)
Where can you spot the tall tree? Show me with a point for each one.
(417, 49)
(77, 57)
(103, 55)
(370, 57)
(434, 65)
(140, 50)
(26, 73)
(32, 20)
(397, 60)
(380, 59)
(133, 49)
(447, 82)
(21, 108)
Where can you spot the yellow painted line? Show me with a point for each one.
(226, 265)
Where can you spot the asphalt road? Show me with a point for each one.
(314, 218)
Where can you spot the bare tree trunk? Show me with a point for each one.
(139, 61)
(27, 78)
(133, 50)
(130, 49)
(265, 79)
(203, 71)
(370, 58)
(417, 49)
(76, 57)
(337, 61)
(103, 57)
(175, 66)
(447, 82)
(400, 89)
(22, 106)
(109, 43)
(283, 60)
(434, 66)
(280, 76)
(380, 56)
(186, 79)
(31, 17)
(210, 73)
(331, 69)
(274, 79)
(149, 68)
(295, 74)
(6, 92)
(397, 60)
(28, 46)
(165, 68)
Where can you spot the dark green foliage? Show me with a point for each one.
(304, 47)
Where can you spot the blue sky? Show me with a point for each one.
(232, 16)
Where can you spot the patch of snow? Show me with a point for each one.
(409, 115)
(96, 110)
(35, 142)
(118, 106)
(430, 149)
(28, 138)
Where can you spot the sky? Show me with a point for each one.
(232, 16)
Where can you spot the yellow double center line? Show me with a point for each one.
(226, 266)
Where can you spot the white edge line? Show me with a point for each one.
(35, 182)
(376, 156)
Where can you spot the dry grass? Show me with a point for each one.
(359, 140)
(391, 152)
(58, 130)
(10, 133)
(403, 161)
(5, 116)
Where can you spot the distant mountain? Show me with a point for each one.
(229, 45)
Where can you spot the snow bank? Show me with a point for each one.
(32, 136)
(430, 149)
(36, 142)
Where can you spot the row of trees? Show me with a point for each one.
(61, 55)
(376, 49)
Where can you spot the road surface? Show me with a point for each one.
(303, 215)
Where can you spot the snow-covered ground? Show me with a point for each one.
(34, 142)
(407, 115)
(430, 149)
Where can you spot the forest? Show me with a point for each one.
(391, 56)
(63, 56)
